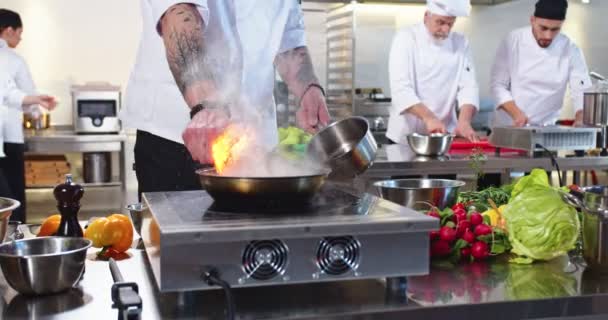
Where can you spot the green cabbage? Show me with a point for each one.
(541, 225)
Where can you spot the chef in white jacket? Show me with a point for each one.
(15, 76)
(533, 67)
(432, 76)
(199, 59)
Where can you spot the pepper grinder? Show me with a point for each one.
(68, 195)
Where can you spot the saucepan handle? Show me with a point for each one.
(575, 202)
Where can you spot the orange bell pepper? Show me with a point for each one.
(113, 234)
(50, 226)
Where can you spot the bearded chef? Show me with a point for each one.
(533, 67)
(432, 76)
(200, 65)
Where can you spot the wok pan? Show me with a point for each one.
(261, 189)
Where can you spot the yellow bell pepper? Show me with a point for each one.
(496, 219)
(114, 234)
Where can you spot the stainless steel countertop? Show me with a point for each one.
(558, 288)
(400, 160)
(63, 139)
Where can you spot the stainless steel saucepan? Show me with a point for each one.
(594, 206)
(347, 146)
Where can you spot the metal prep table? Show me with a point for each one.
(63, 140)
(400, 160)
(493, 290)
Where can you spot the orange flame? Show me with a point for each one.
(229, 146)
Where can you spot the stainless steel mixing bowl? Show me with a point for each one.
(7, 206)
(413, 193)
(43, 265)
(434, 144)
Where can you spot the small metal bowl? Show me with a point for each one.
(43, 265)
(136, 211)
(433, 145)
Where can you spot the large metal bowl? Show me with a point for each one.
(415, 193)
(433, 145)
(43, 265)
(347, 146)
(7, 206)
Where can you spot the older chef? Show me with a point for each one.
(533, 67)
(14, 69)
(432, 75)
(221, 57)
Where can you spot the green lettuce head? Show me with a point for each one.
(541, 225)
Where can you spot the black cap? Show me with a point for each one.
(551, 9)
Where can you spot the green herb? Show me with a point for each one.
(479, 199)
(478, 159)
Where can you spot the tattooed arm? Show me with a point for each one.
(192, 64)
(295, 67)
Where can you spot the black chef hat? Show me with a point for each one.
(551, 9)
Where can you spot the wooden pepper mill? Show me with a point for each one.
(68, 195)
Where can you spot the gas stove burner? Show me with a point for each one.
(338, 255)
(264, 260)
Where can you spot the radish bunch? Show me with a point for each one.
(465, 235)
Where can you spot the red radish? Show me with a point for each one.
(482, 230)
(479, 250)
(434, 235)
(465, 253)
(434, 214)
(462, 227)
(460, 211)
(447, 234)
(460, 216)
(440, 248)
(458, 206)
(476, 218)
(468, 236)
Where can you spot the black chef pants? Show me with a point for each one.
(163, 165)
(13, 168)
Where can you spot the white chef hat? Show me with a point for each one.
(450, 8)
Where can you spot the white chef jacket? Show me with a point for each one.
(15, 68)
(262, 30)
(422, 71)
(536, 78)
(9, 95)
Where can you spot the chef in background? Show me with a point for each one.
(432, 76)
(533, 67)
(16, 76)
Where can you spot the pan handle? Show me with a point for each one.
(576, 202)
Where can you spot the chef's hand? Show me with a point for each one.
(312, 115)
(46, 102)
(464, 129)
(578, 119)
(202, 131)
(434, 125)
(520, 119)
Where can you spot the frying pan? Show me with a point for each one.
(282, 189)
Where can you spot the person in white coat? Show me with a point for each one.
(16, 75)
(199, 59)
(432, 76)
(533, 67)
